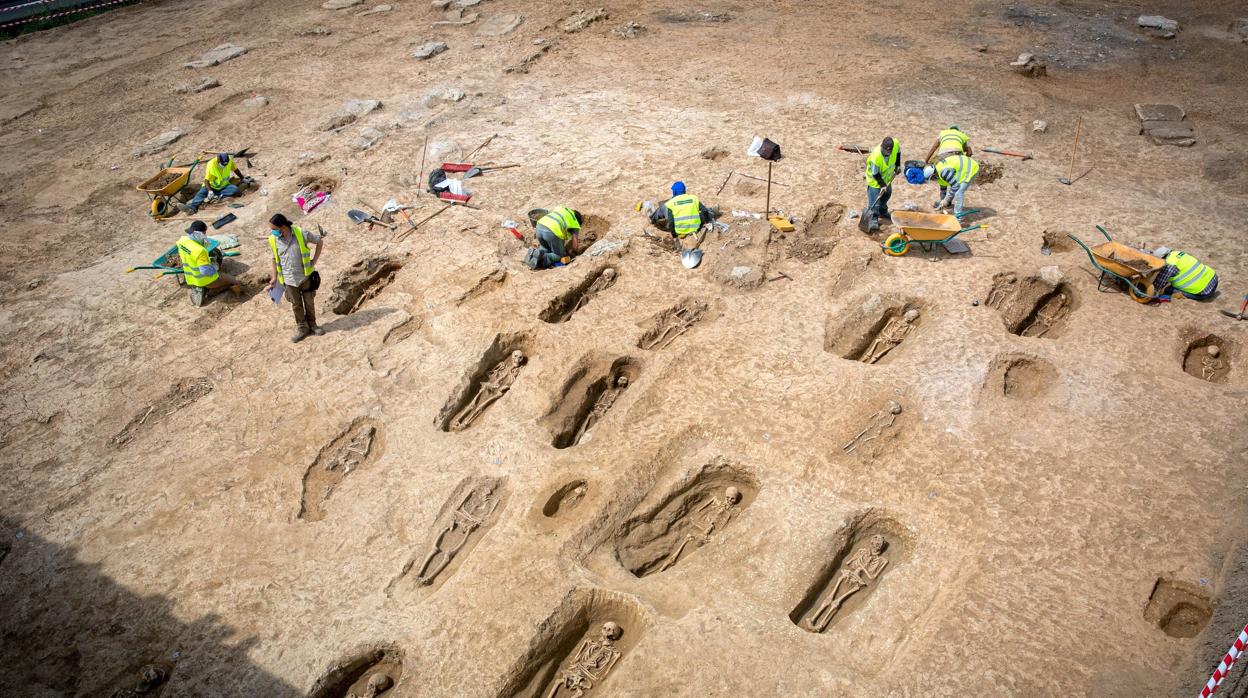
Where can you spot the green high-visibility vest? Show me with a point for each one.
(194, 256)
(304, 253)
(880, 172)
(952, 139)
(218, 175)
(960, 168)
(561, 222)
(1193, 277)
(686, 214)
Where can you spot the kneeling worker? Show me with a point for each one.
(197, 268)
(1185, 274)
(954, 175)
(294, 267)
(883, 164)
(682, 215)
(554, 231)
(217, 182)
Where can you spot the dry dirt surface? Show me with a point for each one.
(717, 482)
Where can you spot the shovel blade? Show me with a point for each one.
(472, 173)
(690, 258)
(357, 216)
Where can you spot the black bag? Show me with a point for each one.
(769, 150)
(436, 177)
(314, 281)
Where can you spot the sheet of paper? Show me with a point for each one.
(276, 293)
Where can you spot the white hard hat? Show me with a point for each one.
(928, 172)
(1161, 251)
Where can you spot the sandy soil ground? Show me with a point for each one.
(1061, 505)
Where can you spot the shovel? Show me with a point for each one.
(691, 258)
(357, 216)
(482, 170)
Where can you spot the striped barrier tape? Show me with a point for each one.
(1228, 661)
(54, 15)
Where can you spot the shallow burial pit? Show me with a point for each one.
(1178, 609)
(562, 308)
(466, 516)
(578, 647)
(819, 236)
(362, 281)
(671, 323)
(669, 529)
(866, 552)
(586, 397)
(181, 394)
(148, 680)
(873, 331)
(565, 499)
(373, 671)
(356, 446)
(1032, 306)
(485, 382)
(1021, 377)
(1208, 357)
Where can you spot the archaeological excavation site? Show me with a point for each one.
(503, 348)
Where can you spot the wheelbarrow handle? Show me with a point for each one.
(973, 227)
(1106, 234)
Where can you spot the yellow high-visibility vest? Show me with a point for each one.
(964, 169)
(304, 253)
(686, 214)
(952, 139)
(561, 222)
(194, 256)
(1193, 277)
(880, 172)
(218, 175)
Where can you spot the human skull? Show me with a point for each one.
(379, 682)
(611, 631)
(608, 274)
(911, 315)
(517, 357)
(877, 544)
(621, 382)
(894, 407)
(733, 495)
(1213, 350)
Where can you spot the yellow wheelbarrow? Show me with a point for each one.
(163, 186)
(926, 229)
(1123, 266)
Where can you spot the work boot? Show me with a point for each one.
(318, 331)
(300, 335)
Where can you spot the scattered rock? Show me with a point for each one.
(441, 151)
(982, 48)
(441, 4)
(428, 49)
(349, 112)
(499, 25)
(1181, 135)
(1240, 29)
(715, 152)
(159, 143)
(367, 138)
(339, 4)
(380, 9)
(217, 56)
(607, 248)
(316, 31)
(582, 19)
(310, 158)
(1039, 126)
(1159, 26)
(1027, 64)
(1164, 125)
(1160, 112)
(191, 88)
(694, 17)
(528, 61)
(478, 44)
(445, 95)
(1051, 275)
(255, 102)
(629, 30)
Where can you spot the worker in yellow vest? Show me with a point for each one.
(883, 164)
(218, 182)
(294, 267)
(198, 269)
(558, 235)
(951, 141)
(954, 174)
(682, 215)
(1185, 274)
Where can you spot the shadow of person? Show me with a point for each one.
(69, 630)
(356, 320)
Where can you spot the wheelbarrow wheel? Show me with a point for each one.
(199, 294)
(1140, 292)
(896, 245)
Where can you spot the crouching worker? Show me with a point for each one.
(682, 215)
(558, 237)
(954, 174)
(219, 180)
(198, 269)
(294, 267)
(1185, 274)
